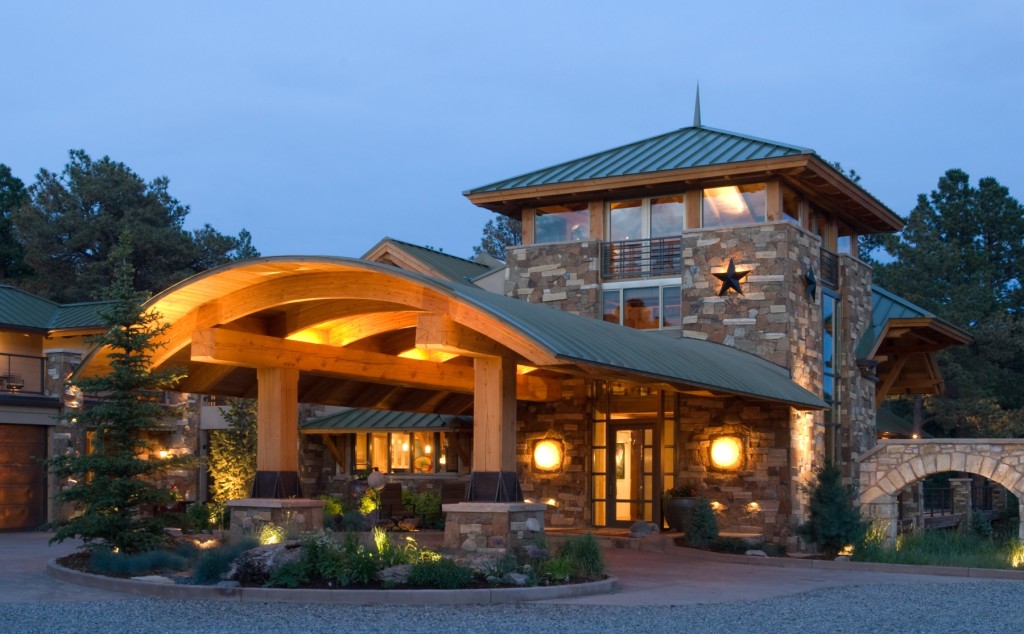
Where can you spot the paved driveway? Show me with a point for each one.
(677, 577)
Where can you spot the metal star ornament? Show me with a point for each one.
(811, 284)
(730, 279)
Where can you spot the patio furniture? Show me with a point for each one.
(391, 505)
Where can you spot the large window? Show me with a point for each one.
(830, 360)
(407, 452)
(734, 205)
(642, 307)
(562, 223)
(646, 218)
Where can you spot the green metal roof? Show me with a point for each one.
(21, 309)
(886, 306)
(680, 149)
(697, 363)
(450, 267)
(358, 419)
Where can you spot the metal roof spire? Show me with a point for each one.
(696, 109)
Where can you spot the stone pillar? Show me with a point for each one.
(295, 516)
(960, 494)
(884, 509)
(491, 528)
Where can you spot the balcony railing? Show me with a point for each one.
(21, 374)
(641, 258)
(829, 268)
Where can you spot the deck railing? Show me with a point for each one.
(21, 374)
(641, 258)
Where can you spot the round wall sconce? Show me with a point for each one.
(547, 455)
(727, 453)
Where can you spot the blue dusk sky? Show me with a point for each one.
(324, 126)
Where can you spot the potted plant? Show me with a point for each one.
(679, 502)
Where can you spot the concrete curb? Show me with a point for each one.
(339, 597)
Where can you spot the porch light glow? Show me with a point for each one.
(547, 455)
(726, 453)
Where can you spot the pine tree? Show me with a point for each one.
(232, 457)
(499, 233)
(113, 479)
(834, 520)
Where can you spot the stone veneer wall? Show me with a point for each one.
(569, 421)
(766, 477)
(564, 275)
(774, 319)
(856, 397)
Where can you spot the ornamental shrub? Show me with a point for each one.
(441, 573)
(834, 520)
(584, 556)
(701, 527)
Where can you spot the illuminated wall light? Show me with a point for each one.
(547, 455)
(427, 449)
(717, 506)
(727, 453)
(443, 460)
(551, 502)
(163, 453)
(753, 507)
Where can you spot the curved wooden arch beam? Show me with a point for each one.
(227, 347)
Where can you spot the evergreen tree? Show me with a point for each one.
(232, 457)
(961, 256)
(113, 478)
(12, 256)
(499, 233)
(69, 224)
(834, 520)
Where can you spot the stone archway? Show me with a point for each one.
(893, 464)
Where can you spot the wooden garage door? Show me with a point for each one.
(22, 477)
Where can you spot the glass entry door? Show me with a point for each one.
(633, 463)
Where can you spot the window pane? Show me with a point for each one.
(361, 457)
(625, 220)
(790, 206)
(599, 514)
(400, 452)
(600, 482)
(641, 307)
(379, 452)
(423, 452)
(562, 223)
(448, 458)
(734, 205)
(668, 216)
(610, 307)
(671, 307)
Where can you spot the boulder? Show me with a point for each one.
(255, 565)
(395, 575)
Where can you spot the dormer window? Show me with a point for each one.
(734, 205)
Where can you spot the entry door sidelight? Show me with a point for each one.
(632, 470)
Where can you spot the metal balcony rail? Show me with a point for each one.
(937, 501)
(641, 258)
(21, 374)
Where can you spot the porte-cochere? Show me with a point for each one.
(893, 464)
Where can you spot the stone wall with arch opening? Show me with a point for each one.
(893, 464)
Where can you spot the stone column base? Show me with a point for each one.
(491, 528)
(296, 516)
